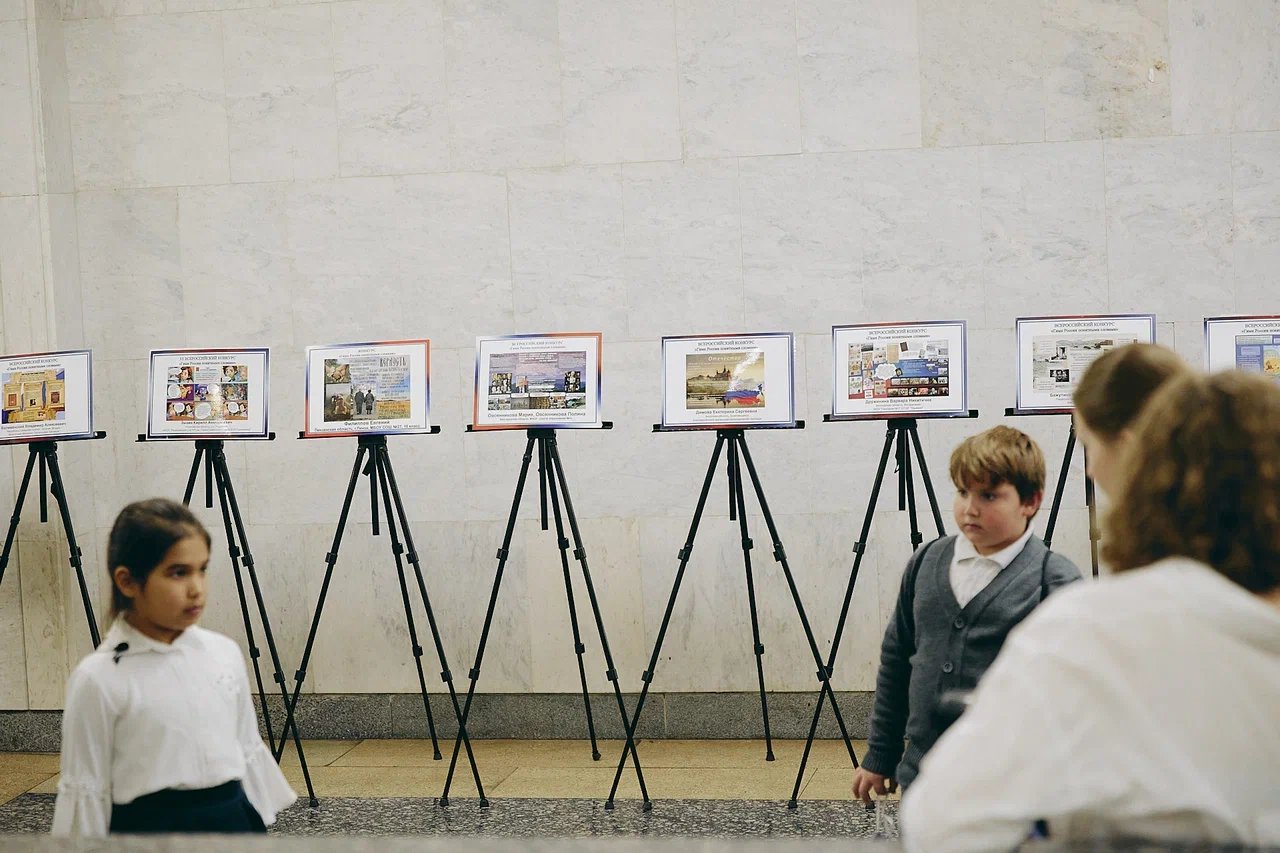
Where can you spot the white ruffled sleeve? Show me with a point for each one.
(84, 791)
(265, 786)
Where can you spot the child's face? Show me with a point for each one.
(992, 517)
(1102, 457)
(172, 598)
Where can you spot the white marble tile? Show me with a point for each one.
(1225, 71)
(683, 248)
(13, 663)
(859, 74)
(1256, 198)
(618, 71)
(613, 555)
(504, 83)
(13, 10)
(111, 8)
(1044, 230)
(42, 573)
(280, 93)
(128, 316)
(342, 227)
(64, 251)
(1188, 338)
(1106, 69)
(980, 72)
(129, 232)
(923, 256)
(17, 132)
(802, 241)
(567, 250)
(26, 321)
(739, 77)
(456, 256)
(392, 93)
(237, 270)
(59, 174)
(146, 97)
(1169, 226)
(178, 6)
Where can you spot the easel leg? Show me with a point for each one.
(906, 474)
(379, 473)
(224, 474)
(647, 676)
(580, 553)
(928, 481)
(17, 511)
(578, 648)
(1063, 472)
(1090, 498)
(445, 675)
(503, 553)
(859, 549)
(60, 495)
(195, 473)
(331, 559)
(780, 554)
(735, 489)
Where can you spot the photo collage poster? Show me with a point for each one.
(725, 381)
(376, 388)
(538, 381)
(899, 369)
(1251, 344)
(47, 396)
(1054, 352)
(207, 394)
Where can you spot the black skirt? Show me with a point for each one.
(222, 809)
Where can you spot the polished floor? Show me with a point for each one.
(699, 788)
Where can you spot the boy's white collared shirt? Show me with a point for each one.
(154, 716)
(971, 572)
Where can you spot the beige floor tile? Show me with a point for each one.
(395, 781)
(320, 753)
(29, 762)
(48, 786)
(535, 753)
(663, 783)
(832, 785)
(741, 754)
(16, 784)
(561, 783)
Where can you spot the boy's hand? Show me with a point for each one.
(864, 782)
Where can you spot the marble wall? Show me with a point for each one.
(249, 172)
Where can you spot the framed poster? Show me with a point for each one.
(537, 381)
(885, 370)
(47, 396)
(1251, 344)
(378, 388)
(726, 381)
(207, 394)
(1053, 353)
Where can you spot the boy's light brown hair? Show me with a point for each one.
(1203, 480)
(1117, 385)
(1000, 455)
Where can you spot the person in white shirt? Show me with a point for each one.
(159, 733)
(1143, 706)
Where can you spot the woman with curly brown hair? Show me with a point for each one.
(1144, 705)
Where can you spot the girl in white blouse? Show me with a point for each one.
(159, 732)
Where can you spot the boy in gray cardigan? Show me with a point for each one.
(960, 597)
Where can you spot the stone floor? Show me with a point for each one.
(537, 788)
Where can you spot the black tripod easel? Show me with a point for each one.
(551, 480)
(735, 440)
(902, 437)
(212, 452)
(45, 454)
(1090, 497)
(382, 479)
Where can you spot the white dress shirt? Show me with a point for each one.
(1144, 705)
(162, 716)
(971, 572)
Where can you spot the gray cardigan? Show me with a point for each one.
(933, 645)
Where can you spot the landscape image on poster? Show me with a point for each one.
(537, 380)
(366, 387)
(1058, 361)
(1259, 354)
(207, 392)
(898, 369)
(724, 380)
(34, 396)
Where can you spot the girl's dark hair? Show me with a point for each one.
(143, 533)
